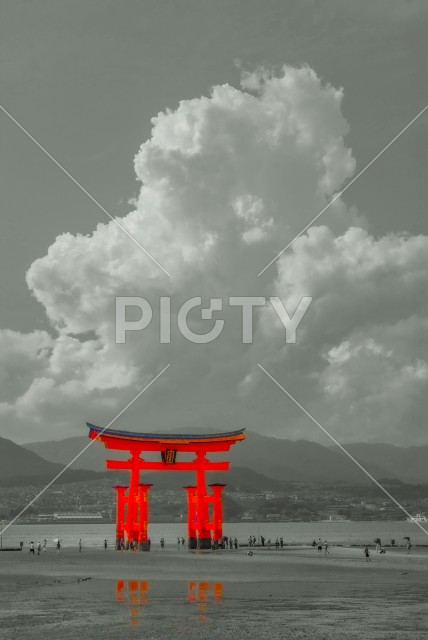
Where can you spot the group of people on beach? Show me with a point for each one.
(321, 547)
(123, 545)
(278, 544)
(227, 542)
(39, 547)
(381, 549)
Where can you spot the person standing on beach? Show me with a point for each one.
(45, 544)
(408, 545)
(367, 554)
(39, 547)
(326, 551)
(281, 543)
(235, 542)
(319, 546)
(58, 546)
(80, 545)
(105, 544)
(162, 543)
(32, 547)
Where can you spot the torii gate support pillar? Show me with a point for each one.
(192, 540)
(143, 517)
(217, 524)
(120, 515)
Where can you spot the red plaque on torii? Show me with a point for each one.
(132, 500)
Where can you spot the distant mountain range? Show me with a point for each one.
(19, 466)
(309, 461)
(19, 461)
(272, 458)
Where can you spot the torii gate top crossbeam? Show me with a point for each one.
(132, 441)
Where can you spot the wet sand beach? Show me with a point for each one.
(288, 593)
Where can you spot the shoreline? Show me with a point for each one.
(245, 545)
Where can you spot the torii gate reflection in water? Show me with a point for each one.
(132, 500)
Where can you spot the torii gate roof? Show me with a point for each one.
(108, 436)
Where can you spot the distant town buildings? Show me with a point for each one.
(93, 501)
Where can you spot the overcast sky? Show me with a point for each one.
(216, 130)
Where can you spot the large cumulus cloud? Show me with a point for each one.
(226, 181)
(361, 360)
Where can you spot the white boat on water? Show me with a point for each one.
(419, 517)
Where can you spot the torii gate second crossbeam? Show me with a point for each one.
(132, 499)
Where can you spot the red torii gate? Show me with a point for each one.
(132, 500)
